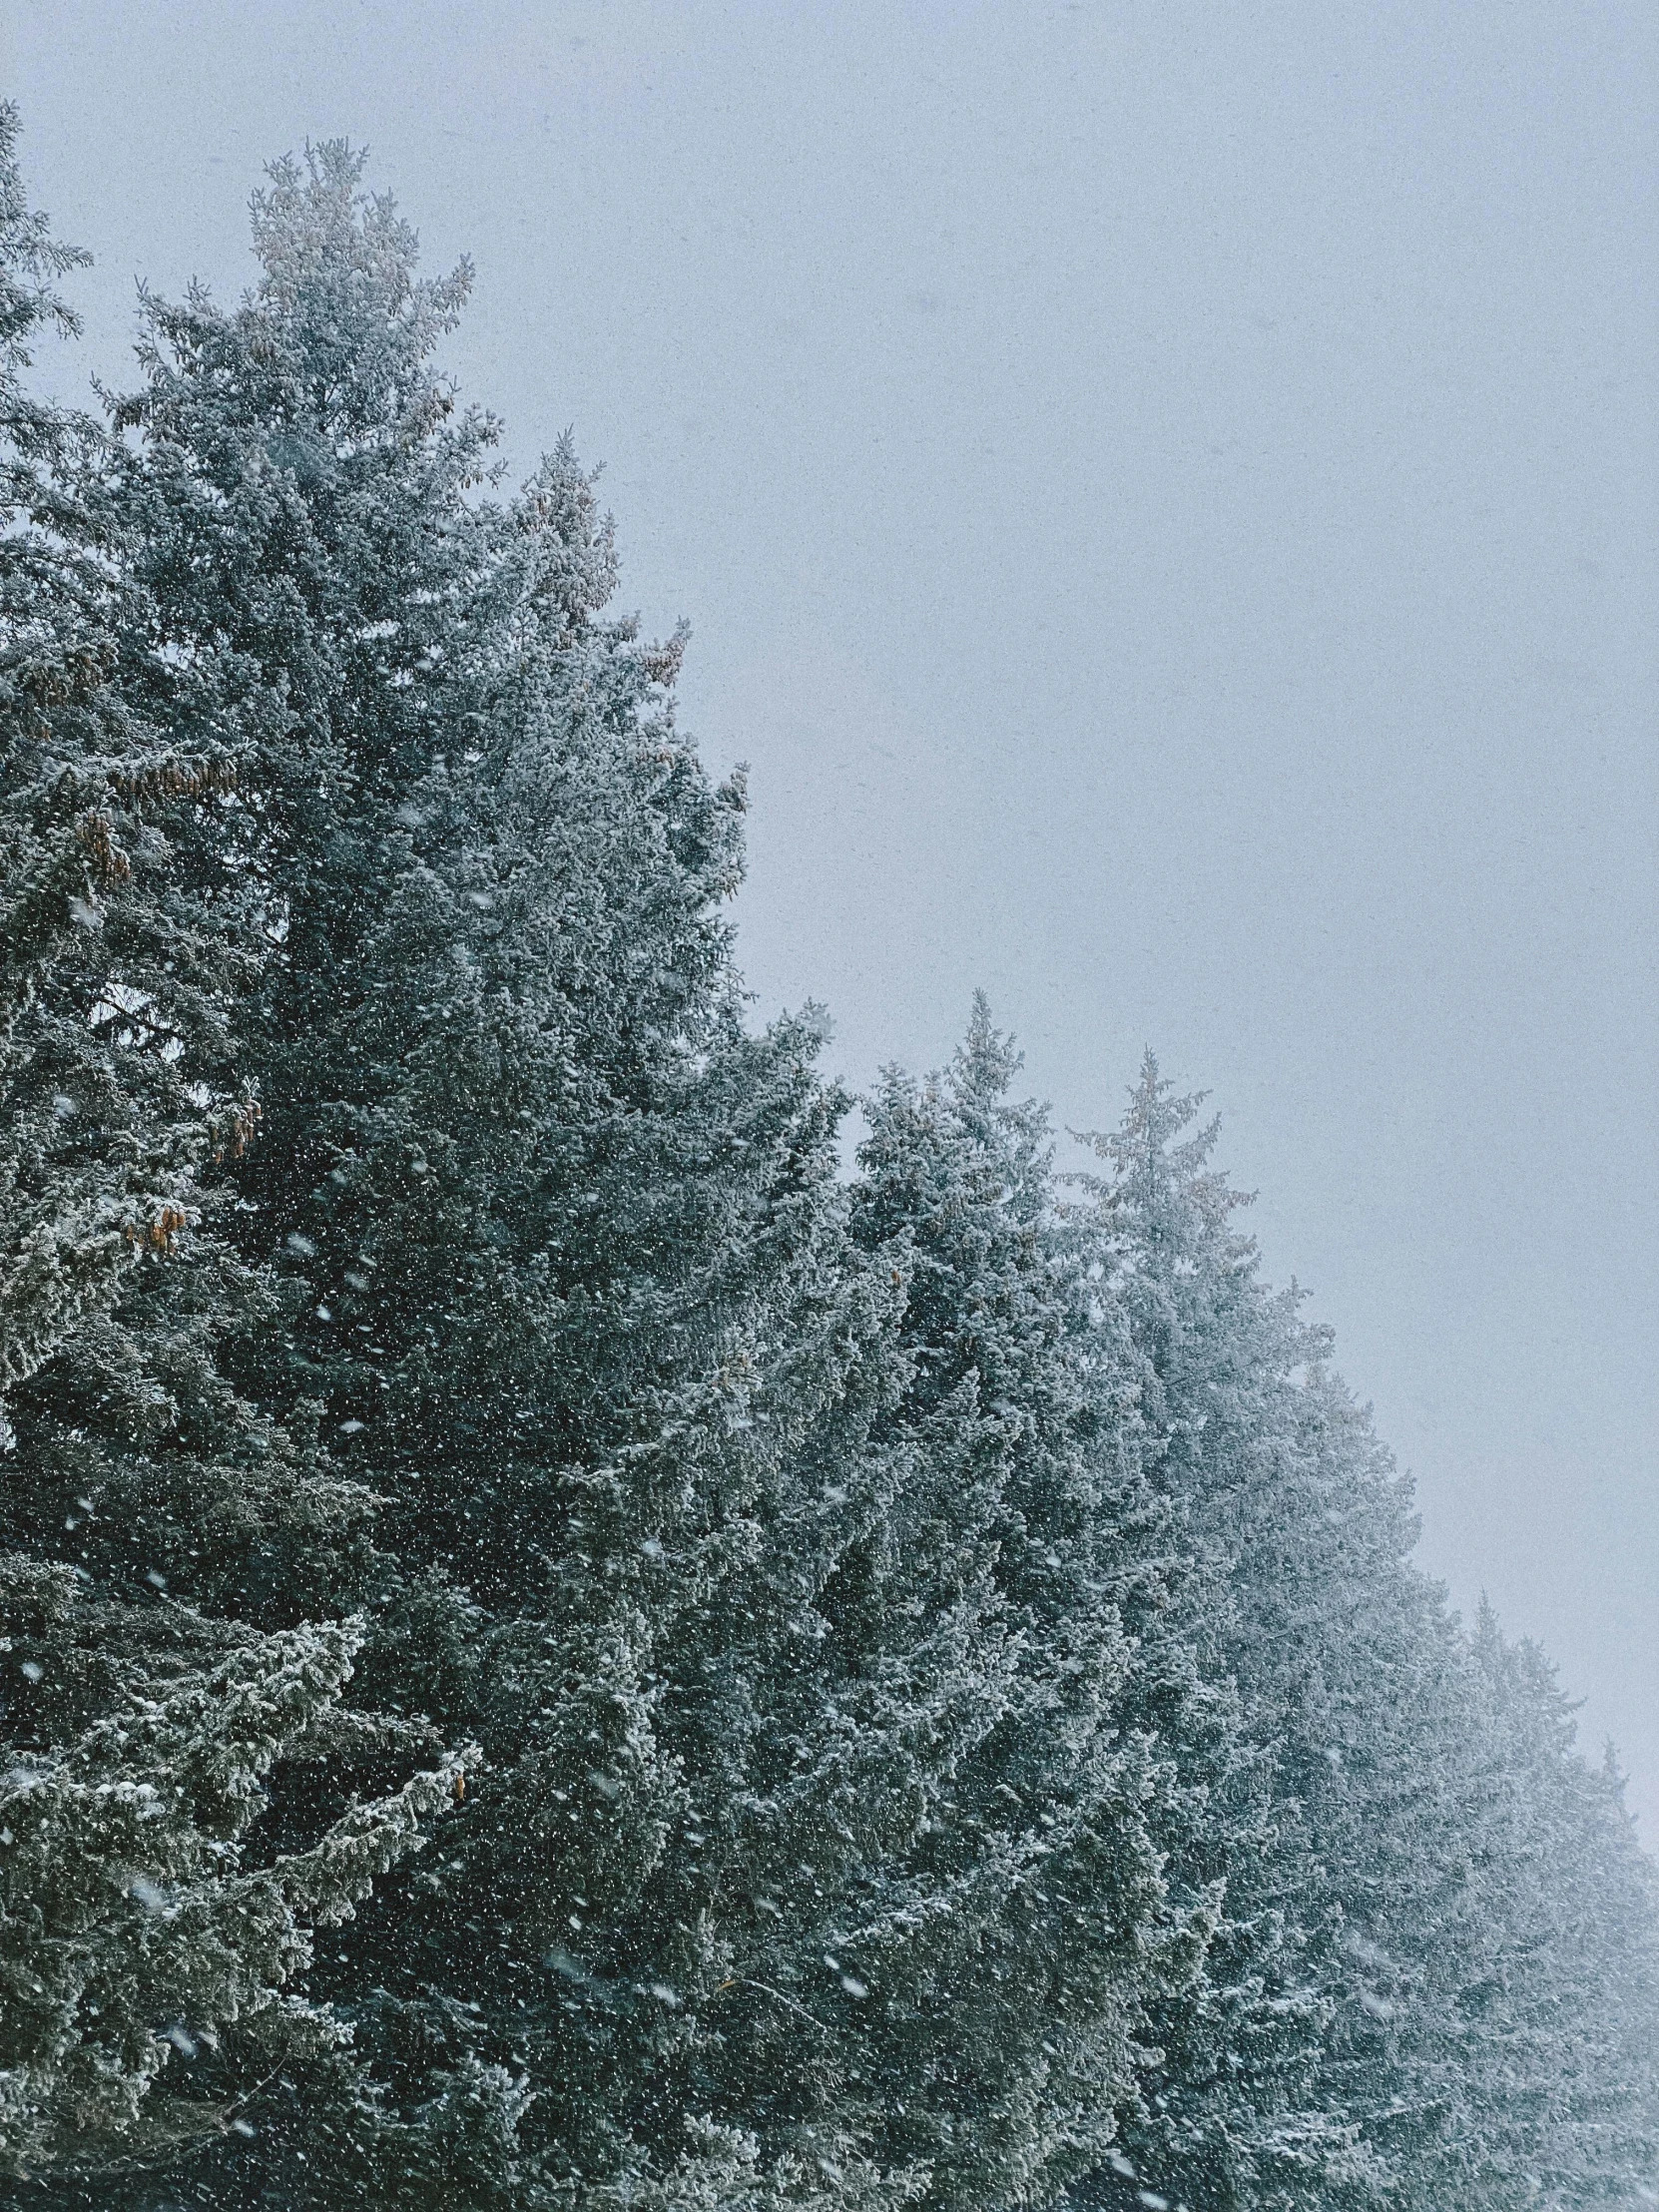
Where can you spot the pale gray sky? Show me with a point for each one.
(1167, 501)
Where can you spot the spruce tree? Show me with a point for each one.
(946, 1830)
(1393, 1929)
(1232, 2114)
(148, 1934)
(958, 1720)
(1028, 1982)
(1567, 2062)
(543, 1220)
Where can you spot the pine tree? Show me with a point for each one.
(958, 1720)
(1232, 2114)
(1036, 1927)
(1567, 2058)
(144, 1936)
(1393, 1929)
(954, 1910)
(537, 1206)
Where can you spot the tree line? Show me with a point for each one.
(560, 1649)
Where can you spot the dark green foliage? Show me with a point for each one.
(145, 1501)
(954, 1718)
(1408, 1837)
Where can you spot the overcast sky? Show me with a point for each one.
(1166, 496)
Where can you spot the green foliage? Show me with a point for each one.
(957, 1722)
(139, 1924)
(139, 1934)
(1409, 1981)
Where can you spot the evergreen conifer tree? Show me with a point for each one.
(544, 1221)
(1233, 2115)
(945, 1837)
(142, 1928)
(958, 1720)
(1026, 1985)
(1566, 2066)
(1399, 1892)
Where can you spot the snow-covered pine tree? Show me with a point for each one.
(1494, 1961)
(609, 1304)
(1230, 2116)
(547, 1223)
(937, 1819)
(1408, 1826)
(1488, 2032)
(1567, 2054)
(1020, 1929)
(146, 1942)
(857, 1594)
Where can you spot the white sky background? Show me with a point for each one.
(1166, 496)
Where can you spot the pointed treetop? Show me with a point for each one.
(987, 1060)
(317, 220)
(1149, 1161)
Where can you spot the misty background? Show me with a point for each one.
(1167, 501)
